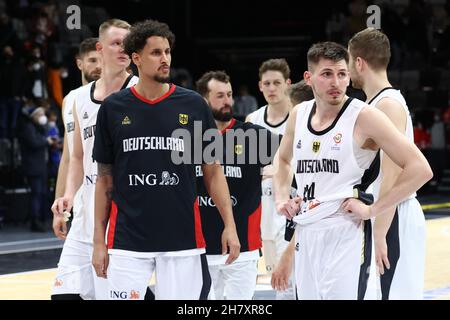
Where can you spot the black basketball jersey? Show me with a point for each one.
(244, 183)
(155, 207)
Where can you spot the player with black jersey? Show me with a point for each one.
(150, 200)
(247, 148)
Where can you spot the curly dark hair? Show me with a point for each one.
(135, 41)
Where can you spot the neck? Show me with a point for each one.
(326, 111)
(280, 109)
(151, 89)
(221, 125)
(110, 81)
(374, 82)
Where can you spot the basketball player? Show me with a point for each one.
(333, 140)
(399, 234)
(299, 92)
(75, 277)
(237, 280)
(89, 63)
(274, 82)
(151, 203)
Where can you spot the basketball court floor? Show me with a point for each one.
(28, 261)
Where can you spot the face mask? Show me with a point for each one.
(42, 120)
(52, 124)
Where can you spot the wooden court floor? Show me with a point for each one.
(36, 285)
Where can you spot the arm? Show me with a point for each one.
(103, 201)
(375, 125)
(390, 172)
(75, 173)
(217, 187)
(283, 175)
(283, 269)
(59, 224)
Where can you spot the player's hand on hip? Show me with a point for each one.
(357, 208)
(62, 204)
(100, 260)
(289, 208)
(381, 254)
(59, 226)
(230, 244)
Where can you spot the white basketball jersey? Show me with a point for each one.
(87, 106)
(328, 162)
(409, 133)
(271, 222)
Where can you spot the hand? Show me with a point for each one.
(231, 244)
(357, 208)
(100, 260)
(289, 208)
(282, 273)
(50, 141)
(62, 204)
(381, 254)
(59, 226)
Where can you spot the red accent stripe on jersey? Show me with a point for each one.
(254, 230)
(199, 239)
(165, 95)
(233, 121)
(112, 224)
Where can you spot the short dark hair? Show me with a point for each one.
(373, 46)
(275, 65)
(326, 50)
(137, 38)
(202, 83)
(86, 46)
(299, 92)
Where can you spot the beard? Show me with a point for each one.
(221, 115)
(93, 76)
(161, 79)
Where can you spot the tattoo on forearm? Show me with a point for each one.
(104, 169)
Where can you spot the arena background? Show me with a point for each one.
(235, 36)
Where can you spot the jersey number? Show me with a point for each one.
(308, 192)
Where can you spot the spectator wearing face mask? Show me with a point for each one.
(34, 144)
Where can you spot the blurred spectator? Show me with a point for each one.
(55, 149)
(12, 89)
(437, 151)
(7, 34)
(34, 145)
(422, 137)
(418, 31)
(244, 103)
(36, 74)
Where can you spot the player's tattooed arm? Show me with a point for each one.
(104, 169)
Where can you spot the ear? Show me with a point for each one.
(359, 63)
(136, 59)
(288, 82)
(98, 46)
(79, 63)
(260, 86)
(307, 76)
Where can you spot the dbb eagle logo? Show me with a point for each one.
(316, 146)
(183, 118)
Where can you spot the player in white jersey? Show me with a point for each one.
(89, 63)
(400, 233)
(333, 140)
(76, 276)
(274, 81)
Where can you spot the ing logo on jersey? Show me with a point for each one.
(337, 138)
(238, 149)
(126, 120)
(58, 283)
(316, 146)
(183, 118)
(134, 295)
